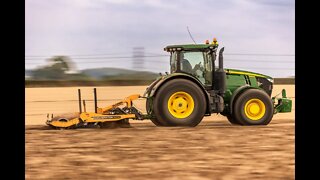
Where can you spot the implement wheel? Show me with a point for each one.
(179, 102)
(253, 107)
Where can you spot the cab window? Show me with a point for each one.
(196, 64)
(173, 62)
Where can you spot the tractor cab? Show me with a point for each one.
(193, 59)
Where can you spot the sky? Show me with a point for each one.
(258, 35)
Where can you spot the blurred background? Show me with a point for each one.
(121, 40)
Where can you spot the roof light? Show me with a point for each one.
(215, 42)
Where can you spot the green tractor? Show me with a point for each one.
(195, 88)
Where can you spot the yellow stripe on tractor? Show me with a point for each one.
(245, 73)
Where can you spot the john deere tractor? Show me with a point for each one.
(194, 88)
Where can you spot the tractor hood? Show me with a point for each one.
(249, 73)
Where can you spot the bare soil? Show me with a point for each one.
(214, 149)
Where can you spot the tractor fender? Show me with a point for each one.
(165, 79)
(147, 92)
(236, 93)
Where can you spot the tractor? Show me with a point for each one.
(194, 88)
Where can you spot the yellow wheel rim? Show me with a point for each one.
(180, 104)
(254, 109)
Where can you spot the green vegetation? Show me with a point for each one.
(59, 68)
(61, 71)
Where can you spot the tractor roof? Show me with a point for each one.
(190, 47)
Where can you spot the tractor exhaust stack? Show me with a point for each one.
(220, 76)
(221, 59)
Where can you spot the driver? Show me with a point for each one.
(185, 65)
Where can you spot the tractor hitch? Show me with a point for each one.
(283, 104)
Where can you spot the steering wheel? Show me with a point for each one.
(197, 68)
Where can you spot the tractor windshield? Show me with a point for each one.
(198, 64)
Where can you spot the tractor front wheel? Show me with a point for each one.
(179, 102)
(232, 120)
(253, 107)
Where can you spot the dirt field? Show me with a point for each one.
(213, 150)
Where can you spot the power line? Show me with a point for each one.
(244, 54)
(157, 54)
(262, 68)
(226, 67)
(115, 57)
(266, 61)
(100, 61)
(80, 55)
(164, 61)
(104, 54)
(105, 59)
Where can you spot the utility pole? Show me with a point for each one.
(138, 58)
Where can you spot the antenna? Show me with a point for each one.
(191, 35)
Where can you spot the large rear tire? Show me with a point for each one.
(179, 102)
(150, 111)
(232, 120)
(253, 107)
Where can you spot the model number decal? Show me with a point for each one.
(106, 117)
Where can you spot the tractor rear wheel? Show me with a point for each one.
(253, 107)
(179, 102)
(150, 111)
(232, 120)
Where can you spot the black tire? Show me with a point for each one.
(150, 112)
(251, 95)
(161, 109)
(232, 120)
